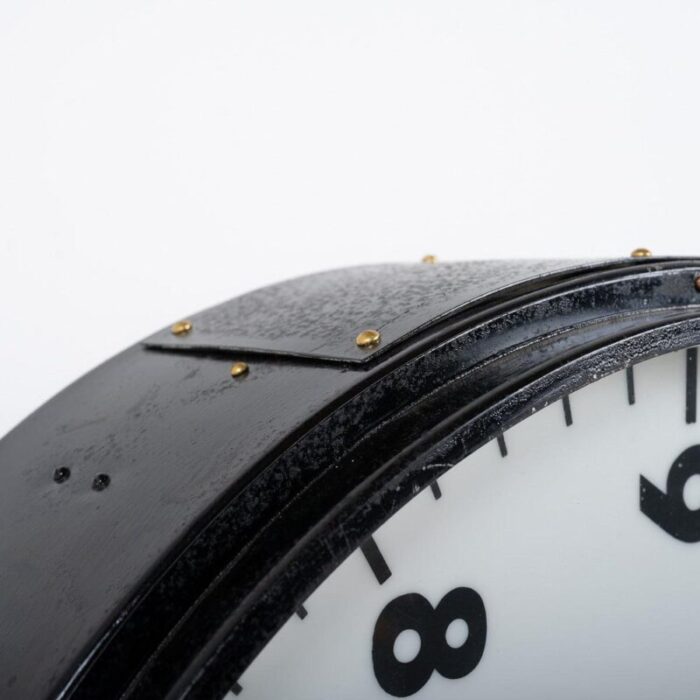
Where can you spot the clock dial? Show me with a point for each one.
(561, 559)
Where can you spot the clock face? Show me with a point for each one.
(560, 560)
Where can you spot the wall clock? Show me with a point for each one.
(440, 480)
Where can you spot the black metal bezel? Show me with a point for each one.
(454, 389)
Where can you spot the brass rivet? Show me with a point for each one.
(640, 253)
(368, 338)
(181, 328)
(429, 259)
(238, 369)
(697, 283)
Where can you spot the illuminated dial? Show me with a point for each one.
(559, 560)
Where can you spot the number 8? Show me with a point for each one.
(413, 612)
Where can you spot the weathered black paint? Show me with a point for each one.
(152, 587)
(318, 316)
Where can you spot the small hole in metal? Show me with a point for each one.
(61, 474)
(101, 482)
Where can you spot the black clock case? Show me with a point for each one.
(231, 499)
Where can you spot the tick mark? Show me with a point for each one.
(301, 612)
(236, 689)
(567, 410)
(691, 384)
(374, 558)
(435, 489)
(630, 385)
(502, 445)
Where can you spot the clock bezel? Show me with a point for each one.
(648, 311)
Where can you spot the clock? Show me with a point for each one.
(434, 480)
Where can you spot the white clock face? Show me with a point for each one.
(561, 561)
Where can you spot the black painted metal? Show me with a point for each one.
(171, 579)
(318, 316)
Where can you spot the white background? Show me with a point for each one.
(157, 156)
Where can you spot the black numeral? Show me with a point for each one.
(413, 612)
(668, 510)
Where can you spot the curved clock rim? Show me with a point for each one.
(251, 597)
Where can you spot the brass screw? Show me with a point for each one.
(181, 328)
(238, 369)
(429, 259)
(368, 339)
(640, 253)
